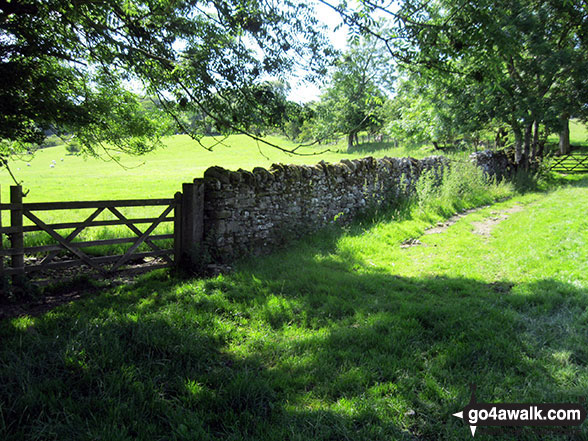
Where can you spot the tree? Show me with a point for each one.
(421, 112)
(66, 66)
(520, 62)
(429, 108)
(350, 104)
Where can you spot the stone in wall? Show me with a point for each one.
(494, 163)
(255, 212)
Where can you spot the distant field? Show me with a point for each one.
(162, 172)
(156, 175)
(578, 134)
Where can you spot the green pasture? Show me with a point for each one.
(158, 174)
(161, 173)
(347, 335)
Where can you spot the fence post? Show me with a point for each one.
(16, 238)
(4, 281)
(178, 229)
(192, 228)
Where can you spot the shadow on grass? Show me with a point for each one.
(298, 346)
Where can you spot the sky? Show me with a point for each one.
(300, 91)
(303, 92)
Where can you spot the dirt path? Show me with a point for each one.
(442, 227)
(483, 228)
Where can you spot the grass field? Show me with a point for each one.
(162, 172)
(578, 134)
(346, 336)
(156, 175)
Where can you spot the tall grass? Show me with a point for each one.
(461, 186)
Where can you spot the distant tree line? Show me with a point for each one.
(500, 72)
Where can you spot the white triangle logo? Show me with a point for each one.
(460, 415)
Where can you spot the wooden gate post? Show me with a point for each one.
(187, 223)
(178, 248)
(192, 226)
(4, 280)
(198, 212)
(17, 236)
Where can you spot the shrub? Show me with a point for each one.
(427, 189)
(51, 141)
(462, 185)
(73, 147)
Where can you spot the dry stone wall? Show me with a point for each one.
(494, 163)
(254, 212)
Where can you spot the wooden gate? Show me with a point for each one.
(576, 162)
(64, 243)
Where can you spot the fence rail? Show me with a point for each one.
(575, 162)
(12, 259)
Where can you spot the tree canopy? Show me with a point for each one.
(68, 66)
(520, 62)
(215, 66)
(350, 104)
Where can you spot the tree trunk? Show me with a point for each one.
(527, 146)
(564, 135)
(518, 143)
(535, 145)
(350, 139)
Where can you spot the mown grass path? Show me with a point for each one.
(346, 336)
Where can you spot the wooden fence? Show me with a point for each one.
(184, 211)
(576, 162)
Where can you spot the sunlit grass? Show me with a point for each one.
(345, 335)
(157, 175)
(578, 134)
(161, 173)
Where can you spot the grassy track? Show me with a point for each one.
(345, 336)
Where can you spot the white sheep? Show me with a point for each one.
(28, 164)
(52, 166)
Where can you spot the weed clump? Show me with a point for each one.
(459, 187)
